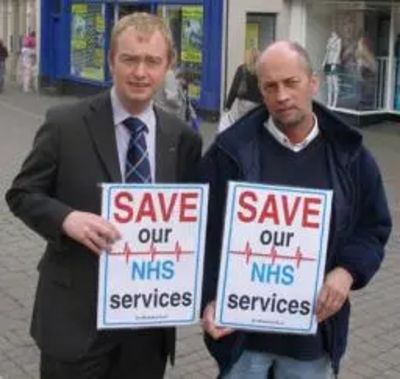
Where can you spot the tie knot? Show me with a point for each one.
(134, 125)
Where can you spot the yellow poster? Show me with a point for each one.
(87, 41)
(251, 36)
(79, 8)
(100, 25)
(192, 34)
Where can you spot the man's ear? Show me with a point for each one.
(172, 63)
(314, 84)
(110, 57)
(172, 59)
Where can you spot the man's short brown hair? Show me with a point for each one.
(146, 24)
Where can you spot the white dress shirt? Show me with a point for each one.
(123, 135)
(284, 140)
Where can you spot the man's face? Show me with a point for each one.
(138, 65)
(287, 87)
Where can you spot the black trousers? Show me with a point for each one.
(138, 354)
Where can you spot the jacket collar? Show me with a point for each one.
(243, 135)
(99, 120)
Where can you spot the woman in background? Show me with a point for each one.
(28, 62)
(244, 94)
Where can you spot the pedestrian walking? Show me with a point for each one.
(28, 62)
(244, 94)
(3, 58)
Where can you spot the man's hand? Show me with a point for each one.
(90, 230)
(334, 293)
(209, 326)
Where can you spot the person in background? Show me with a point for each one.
(365, 58)
(174, 97)
(170, 96)
(3, 58)
(244, 94)
(28, 62)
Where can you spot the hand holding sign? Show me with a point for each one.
(334, 293)
(209, 326)
(90, 230)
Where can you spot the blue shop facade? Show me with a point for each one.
(75, 38)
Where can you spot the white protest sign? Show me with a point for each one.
(153, 274)
(273, 257)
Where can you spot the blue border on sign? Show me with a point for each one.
(254, 326)
(192, 318)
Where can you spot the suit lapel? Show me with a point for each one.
(100, 123)
(166, 149)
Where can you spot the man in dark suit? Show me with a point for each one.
(57, 194)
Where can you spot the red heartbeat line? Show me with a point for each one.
(273, 254)
(127, 252)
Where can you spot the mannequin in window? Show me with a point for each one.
(331, 65)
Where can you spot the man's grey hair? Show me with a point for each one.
(300, 51)
(303, 55)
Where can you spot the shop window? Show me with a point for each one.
(349, 45)
(87, 41)
(186, 23)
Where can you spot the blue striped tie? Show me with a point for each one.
(137, 165)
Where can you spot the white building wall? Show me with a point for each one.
(297, 22)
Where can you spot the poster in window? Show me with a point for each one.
(191, 47)
(87, 41)
(251, 36)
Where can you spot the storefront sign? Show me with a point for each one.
(273, 258)
(153, 274)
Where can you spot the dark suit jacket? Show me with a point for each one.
(73, 152)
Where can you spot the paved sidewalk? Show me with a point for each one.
(374, 349)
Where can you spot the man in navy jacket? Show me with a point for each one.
(297, 142)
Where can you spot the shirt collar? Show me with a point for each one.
(284, 140)
(120, 114)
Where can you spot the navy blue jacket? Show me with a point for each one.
(361, 219)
